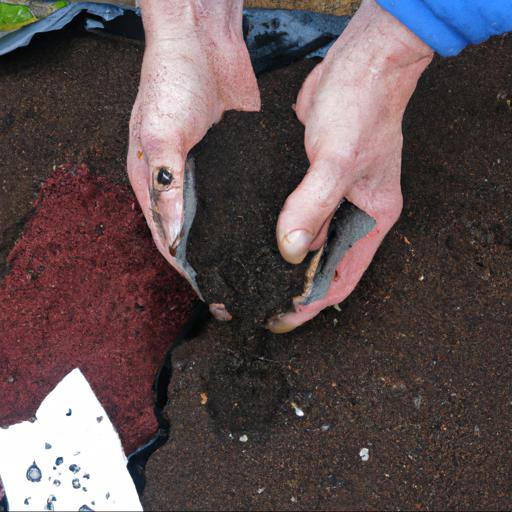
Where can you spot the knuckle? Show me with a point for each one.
(392, 209)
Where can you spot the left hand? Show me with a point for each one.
(352, 106)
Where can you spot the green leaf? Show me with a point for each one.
(14, 16)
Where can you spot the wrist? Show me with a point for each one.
(384, 42)
(171, 19)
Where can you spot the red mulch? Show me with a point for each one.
(88, 289)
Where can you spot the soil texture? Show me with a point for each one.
(246, 167)
(402, 399)
(65, 98)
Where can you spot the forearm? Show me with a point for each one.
(381, 50)
(384, 38)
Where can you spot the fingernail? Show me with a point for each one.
(220, 312)
(279, 325)
(295, 245)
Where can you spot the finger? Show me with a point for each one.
(164, 155)
(348, 273)
(306, 93)
(308, 208)
(322, 234)
(138, 174)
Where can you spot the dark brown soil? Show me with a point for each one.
(66, 97)
(246, 167)
(417, 365)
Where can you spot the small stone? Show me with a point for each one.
(325, 428)
(364, 454)
(243, 438)
(76, 483)
(260, 490)
(298, 411)
(47, 446)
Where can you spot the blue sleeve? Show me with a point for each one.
(448, 26)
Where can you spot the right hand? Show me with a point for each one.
(352, 106)
(196, 66)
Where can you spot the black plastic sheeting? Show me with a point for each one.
(138, 459)
(275, 38)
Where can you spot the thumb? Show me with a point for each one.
(309, 208)
(165, 159)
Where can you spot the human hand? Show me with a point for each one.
(196, 66)
(352, 106)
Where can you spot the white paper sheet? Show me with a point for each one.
(70, 458)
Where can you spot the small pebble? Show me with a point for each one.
(298, 411)
(325, 428)
(47, 446)
(364, 454)
(76, 483)
(243, 438)
(260, 490)
(74, 468)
